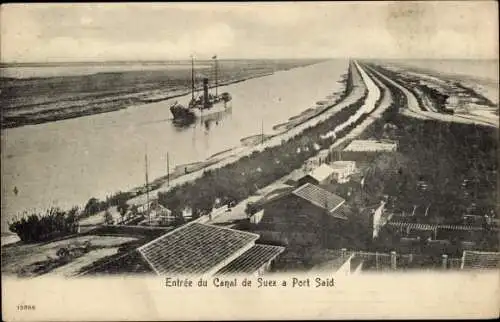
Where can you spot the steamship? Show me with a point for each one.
(204, 104)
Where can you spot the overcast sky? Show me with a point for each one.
(83, 32)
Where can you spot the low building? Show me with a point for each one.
(197, 249)
(342, 170)
(320, 175)
(480, 260)
(366, 150)
(158, 214)
(310, 215)
(371, 146)
(468, 245)
(315, 161)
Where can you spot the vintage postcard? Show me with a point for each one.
(249, 160)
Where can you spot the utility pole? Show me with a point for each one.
(168, 171)
(216, 76)
(192, 77)
(262, 131)
(147, 184)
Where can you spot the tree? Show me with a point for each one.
(108, 218)
(134, 210)
(92, 206)
(122, 208)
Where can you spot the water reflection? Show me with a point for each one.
(207, 121)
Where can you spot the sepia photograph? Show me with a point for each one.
(249, 151)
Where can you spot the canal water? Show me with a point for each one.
(65, 163)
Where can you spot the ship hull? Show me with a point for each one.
(183, 113)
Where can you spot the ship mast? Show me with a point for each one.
(262, 131)
(192, 77)
(147, 185)
(216, 81)
(168, 170)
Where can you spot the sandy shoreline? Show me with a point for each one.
(105, 106)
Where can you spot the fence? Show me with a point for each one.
(394, 261)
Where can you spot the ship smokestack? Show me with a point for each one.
(205, 92)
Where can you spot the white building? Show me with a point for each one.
(320, 175)
(315, 161)
(342, 170)
(157, 213)
(372, 146)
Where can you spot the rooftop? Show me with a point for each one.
(323, 153)
(194, 248)
(322, 172)
(319, 197)
(371, 145)
(481, 260)
(253, 259)
(420, 226)
(342, 164)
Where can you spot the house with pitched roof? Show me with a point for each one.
(480, 260)
(320, 175)
(342, 170)
(197, 249)
(308, 216)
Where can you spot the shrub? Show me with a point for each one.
(38, 227)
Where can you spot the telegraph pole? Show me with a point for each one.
(168, 171)
(147, 185)
(216, 76)
(262, 131)
(192, 77)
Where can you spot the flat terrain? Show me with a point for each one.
(45, 99)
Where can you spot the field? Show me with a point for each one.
(45, 99)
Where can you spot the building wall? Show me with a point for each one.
(307, 179)
(345, 269)
(291, 220)
(257, 217)
(378, 221)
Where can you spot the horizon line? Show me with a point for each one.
(232, 59)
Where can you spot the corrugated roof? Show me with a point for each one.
(253, 259)
(319, 197)
(419, 226)
(371, 145)
(342, 212)
(322, 172)
(194, 248)
(481, 260)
